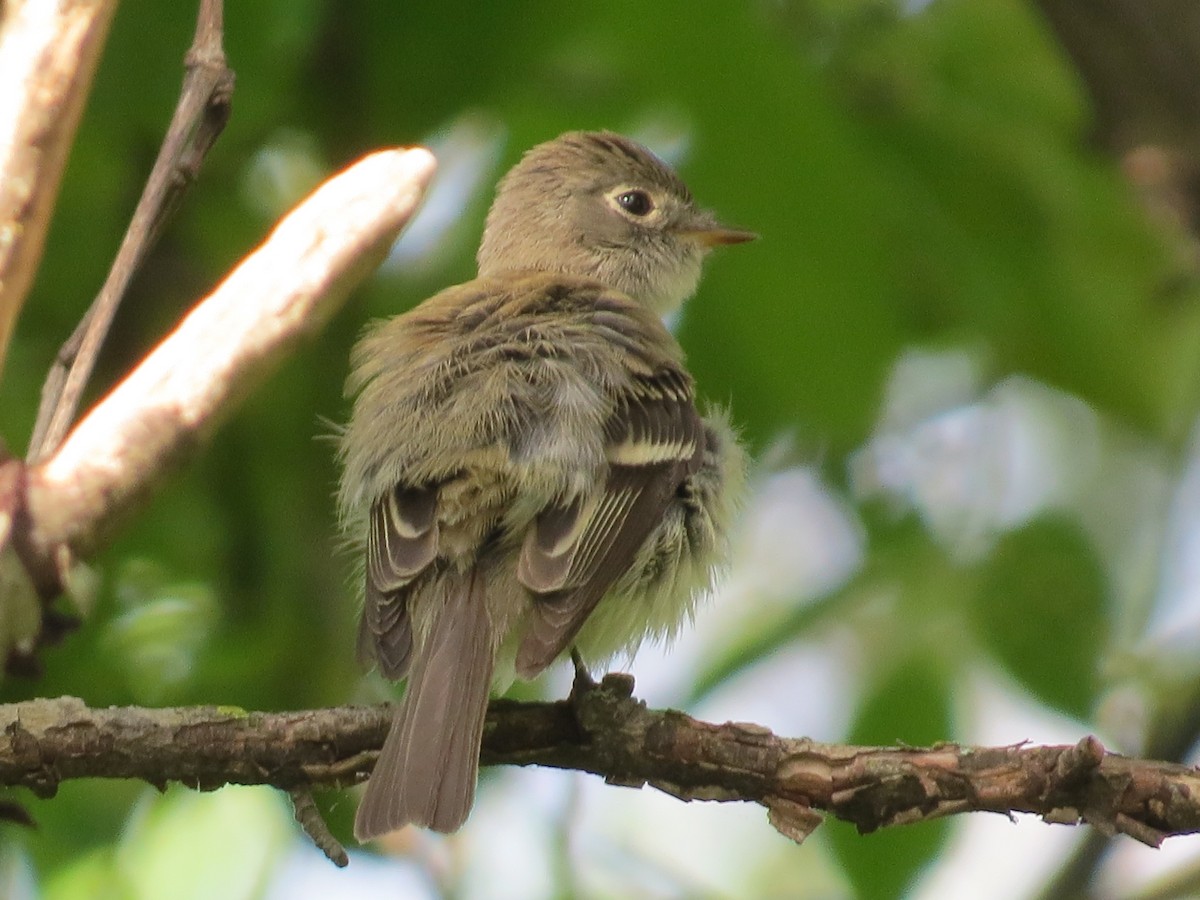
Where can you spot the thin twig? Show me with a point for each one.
(200, 115)
(312, 823)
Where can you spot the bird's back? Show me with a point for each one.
(509, 372)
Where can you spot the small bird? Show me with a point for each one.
(525, 462)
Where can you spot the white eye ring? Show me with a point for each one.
(635, 202)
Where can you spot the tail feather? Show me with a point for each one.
(429, 763)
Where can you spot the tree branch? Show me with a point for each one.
(602, 729)
(48, 54)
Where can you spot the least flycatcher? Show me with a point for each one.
(525, 462)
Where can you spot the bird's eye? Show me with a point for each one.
(636, 203)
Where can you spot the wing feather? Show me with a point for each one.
(402, 537)
(653, 442)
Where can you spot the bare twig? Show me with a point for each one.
(309, 818)
(48, 53)
(199, 117)
(605, 731)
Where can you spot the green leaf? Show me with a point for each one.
(1041, 610)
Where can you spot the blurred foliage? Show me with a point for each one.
(920, 176)
(173, 841)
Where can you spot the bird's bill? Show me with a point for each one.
(715, 237)
(702, 226)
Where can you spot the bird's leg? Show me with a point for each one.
(583, 681)
(619, 684)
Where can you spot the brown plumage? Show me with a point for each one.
(527, 462)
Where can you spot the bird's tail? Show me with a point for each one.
(429, 763)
